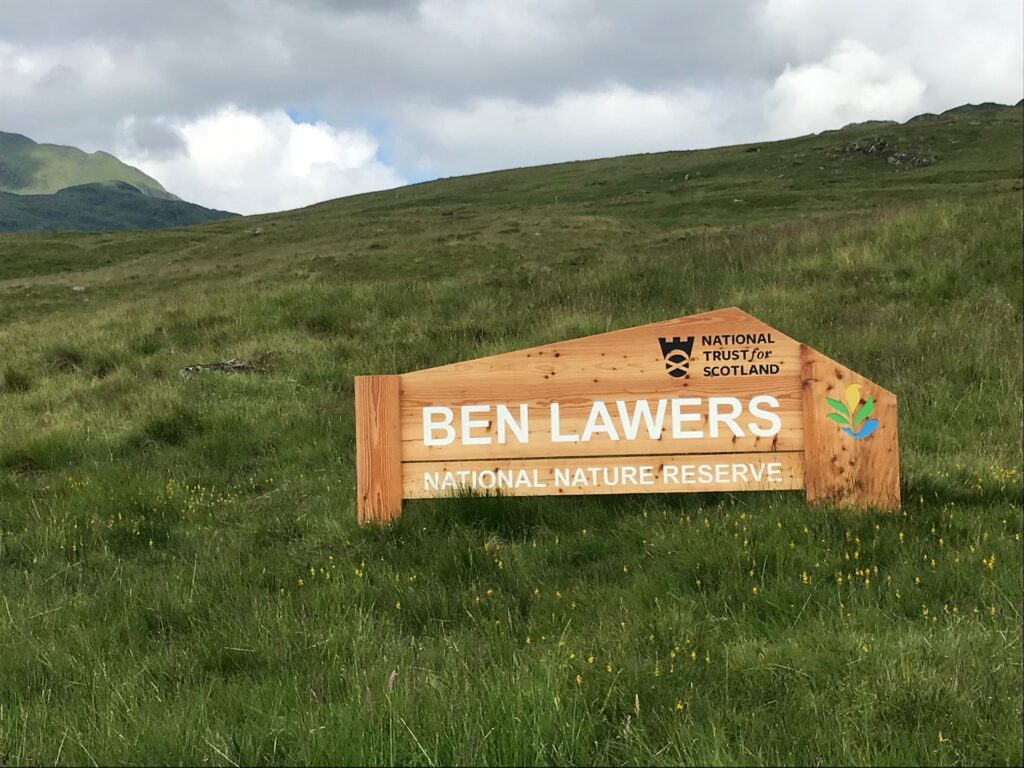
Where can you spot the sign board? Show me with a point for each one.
(717, 401)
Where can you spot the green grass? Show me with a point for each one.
(183, 581)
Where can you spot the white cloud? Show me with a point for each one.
(63, 72)
(965, 50)
(493, 133)
(853, 83)
(255, 163)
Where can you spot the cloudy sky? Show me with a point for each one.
(260, 105)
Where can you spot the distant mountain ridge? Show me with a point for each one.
(54, 188)
(29, 168)
(963, 109)
(99, 207)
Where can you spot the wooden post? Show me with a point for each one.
(378, 448)
(841, 469)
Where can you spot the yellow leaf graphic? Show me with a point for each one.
(853, 396)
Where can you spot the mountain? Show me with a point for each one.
(48, 187)
(973, 109)
(967, 109)
(99, 207)
(28, 168)
(192, 539)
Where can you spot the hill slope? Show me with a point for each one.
(28, 168)
(98, 207)
(183, 579)
(52, 188)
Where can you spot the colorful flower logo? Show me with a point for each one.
(853, 419)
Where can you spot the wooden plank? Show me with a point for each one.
(619, 354)
(607, 475)
(840, 469)
(378, 448)
(624, 357)
(574, 412)
(623, 365)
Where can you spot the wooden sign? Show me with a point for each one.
(712, 402)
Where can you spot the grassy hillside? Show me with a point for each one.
(28, 168)
(51, 188)
(98, 207)
(182, 576)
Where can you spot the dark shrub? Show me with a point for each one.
(13, 380)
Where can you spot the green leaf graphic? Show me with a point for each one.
(838, 419)
(863, 412)
(839, 406)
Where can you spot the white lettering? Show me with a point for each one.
(469, 423)
(599, 413)
(759, 413)
(556, 433)
(678, 417)
(641, 410)
(715, 416)
(506, 422)
(430, 425)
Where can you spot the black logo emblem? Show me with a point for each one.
(677, 355)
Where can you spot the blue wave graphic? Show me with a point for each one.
(866, 429)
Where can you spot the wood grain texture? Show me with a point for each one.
(620, 353)
(628, 364)
(839, 469)
(666, 474)
(378, 448)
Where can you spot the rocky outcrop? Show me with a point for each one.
(881, 148)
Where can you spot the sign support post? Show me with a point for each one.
(378, 448)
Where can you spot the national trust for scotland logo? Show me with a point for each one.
(676, 352)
